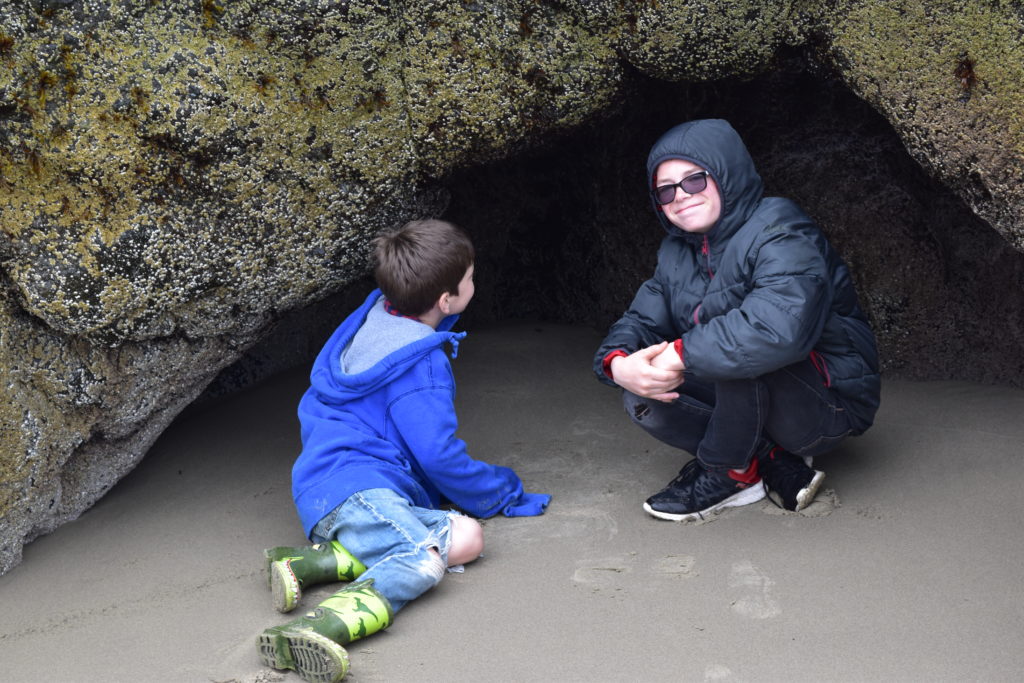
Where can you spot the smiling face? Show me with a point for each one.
(689, 212)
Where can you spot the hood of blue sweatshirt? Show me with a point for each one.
(337, 387)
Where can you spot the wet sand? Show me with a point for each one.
(907, 569)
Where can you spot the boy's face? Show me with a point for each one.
(459, 301)
(689, 212)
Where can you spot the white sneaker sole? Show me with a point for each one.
(749, 495)
(806, 495)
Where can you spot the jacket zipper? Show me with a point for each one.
(706, 253)
(819, 364)
(707, 256)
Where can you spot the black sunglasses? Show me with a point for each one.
(691, 184)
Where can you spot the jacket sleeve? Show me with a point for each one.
(647, 321)
(779, 320)
(425, 419)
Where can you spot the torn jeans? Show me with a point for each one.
(727, 423)
(393, 539)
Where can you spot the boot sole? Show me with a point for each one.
(806, 495)
(270, 556)
(749, 495)
(284, 587)
(314, 657)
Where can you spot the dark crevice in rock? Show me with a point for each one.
(567, 233)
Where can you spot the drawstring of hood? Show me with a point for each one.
(454, 340)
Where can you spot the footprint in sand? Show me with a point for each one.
(875, 513)
(676, 565)
(605, 572)
(718, 672)
(591, 426)
(754, 592)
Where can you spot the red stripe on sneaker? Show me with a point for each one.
(748, 476)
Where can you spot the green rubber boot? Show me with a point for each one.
(292, 569)
(312, 644)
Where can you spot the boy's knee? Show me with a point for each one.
(467, 540)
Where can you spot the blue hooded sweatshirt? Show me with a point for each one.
(390, 426)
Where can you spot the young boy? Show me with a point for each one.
(380, 456)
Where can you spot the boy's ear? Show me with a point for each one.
(444, 304)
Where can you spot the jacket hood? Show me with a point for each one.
(336, 387)
(716, 147)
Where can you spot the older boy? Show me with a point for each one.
(747, 348)
(380, 456)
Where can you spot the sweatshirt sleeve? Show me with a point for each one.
(425, 419)
(646, 322)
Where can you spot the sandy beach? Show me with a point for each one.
(907, 568)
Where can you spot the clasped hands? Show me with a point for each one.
(652, 372)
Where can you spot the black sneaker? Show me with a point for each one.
(789, 480)
(697, 491)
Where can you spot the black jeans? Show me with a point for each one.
(725, 424)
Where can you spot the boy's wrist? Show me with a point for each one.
(670, 357)
(606, 365)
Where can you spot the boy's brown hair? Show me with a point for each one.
(418, 263)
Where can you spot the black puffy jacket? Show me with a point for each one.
(762, 289)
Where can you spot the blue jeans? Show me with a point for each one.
(726, 424)
(393, 538)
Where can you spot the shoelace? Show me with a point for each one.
(684, 474)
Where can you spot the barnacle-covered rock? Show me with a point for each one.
(949, 76)
(484, 80)
(707, 39)
(177, 175)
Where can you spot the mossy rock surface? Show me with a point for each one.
(949, 76)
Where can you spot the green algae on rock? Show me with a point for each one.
(950, 77)
(706, 40)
